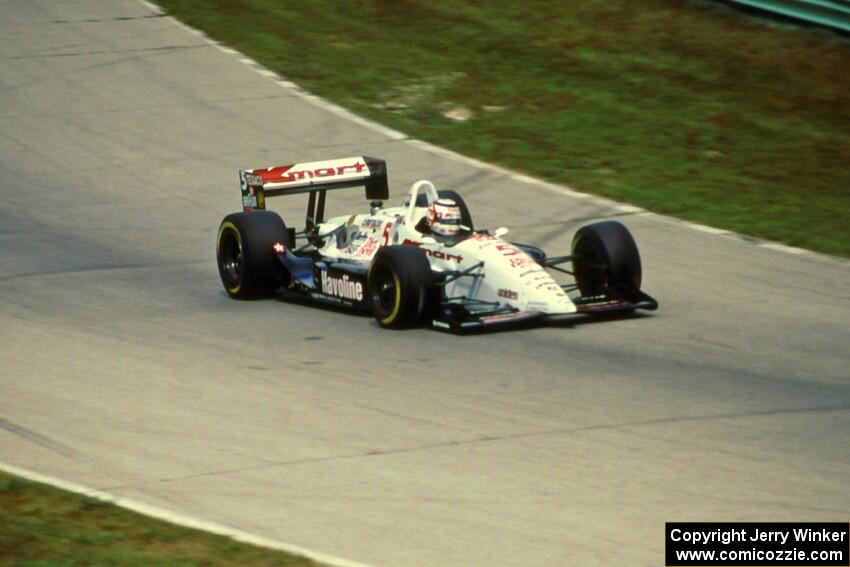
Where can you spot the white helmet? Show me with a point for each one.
(444, 217)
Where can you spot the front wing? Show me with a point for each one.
(455, 318)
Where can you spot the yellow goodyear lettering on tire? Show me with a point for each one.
(228, 225)
(394, 313)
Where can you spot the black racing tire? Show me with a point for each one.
(465, 216)
(400, 287)
(606, 259)
(247, 263)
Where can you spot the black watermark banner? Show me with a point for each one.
(767, 544)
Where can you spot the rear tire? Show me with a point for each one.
(400, 287)
(606, 259)
(248, 266)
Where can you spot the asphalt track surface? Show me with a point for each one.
(125, 367)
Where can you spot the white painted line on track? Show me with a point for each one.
(706, 228)
(152, 7)
(523, 178)
(783, 248)
(181, 519)
(225, 49)
(268, 74)
(630, 209)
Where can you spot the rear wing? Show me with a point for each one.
(314, 177)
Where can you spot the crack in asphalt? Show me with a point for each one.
(490, 439)
(713, 343)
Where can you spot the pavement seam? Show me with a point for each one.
(481, 439)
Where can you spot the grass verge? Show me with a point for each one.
(690, 108)
(44, 526)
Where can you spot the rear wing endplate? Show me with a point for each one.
(314, 177)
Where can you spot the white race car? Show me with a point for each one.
(420, 263)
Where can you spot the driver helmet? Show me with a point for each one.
(444, 217)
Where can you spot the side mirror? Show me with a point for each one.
(501, 231)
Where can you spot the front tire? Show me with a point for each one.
(248, 265)
(400, 287)
(606, 259)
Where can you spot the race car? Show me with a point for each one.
(420, 263)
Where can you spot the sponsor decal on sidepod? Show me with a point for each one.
(341, 286)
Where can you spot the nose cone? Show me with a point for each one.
(512, 277)
(542, 293)
(525, 283)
